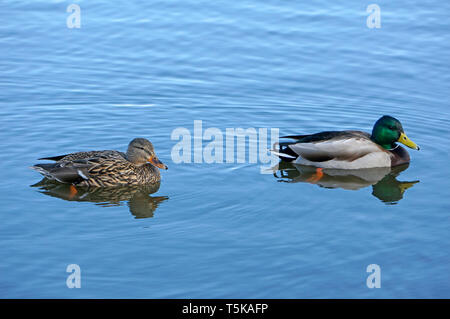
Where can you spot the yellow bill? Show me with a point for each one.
(406, 141)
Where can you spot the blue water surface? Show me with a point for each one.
(144, 68)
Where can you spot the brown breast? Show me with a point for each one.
(399, 156)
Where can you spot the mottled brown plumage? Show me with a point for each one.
(138, 166)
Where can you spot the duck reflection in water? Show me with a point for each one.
(385, 185)
(138, 198)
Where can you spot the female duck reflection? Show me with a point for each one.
(141, 205)
(385, 185)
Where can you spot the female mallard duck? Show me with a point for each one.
(106, 168)
(351, 149)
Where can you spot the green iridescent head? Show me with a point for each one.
(387, 131)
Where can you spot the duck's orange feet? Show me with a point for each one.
(316, 176)
(73, 191)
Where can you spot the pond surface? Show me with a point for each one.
(138, 69)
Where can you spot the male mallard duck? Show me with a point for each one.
(106, 168)
(351, 149)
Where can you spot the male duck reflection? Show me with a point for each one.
(138, 198)
(106, 168)
(350, 149)
(383, 180)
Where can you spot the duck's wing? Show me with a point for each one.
(53, 158)
(85, 155)
(332, 145)
(72, 172)
(73, 168)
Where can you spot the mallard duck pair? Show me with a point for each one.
(350, 149)
(332, 149)
(138, 166)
